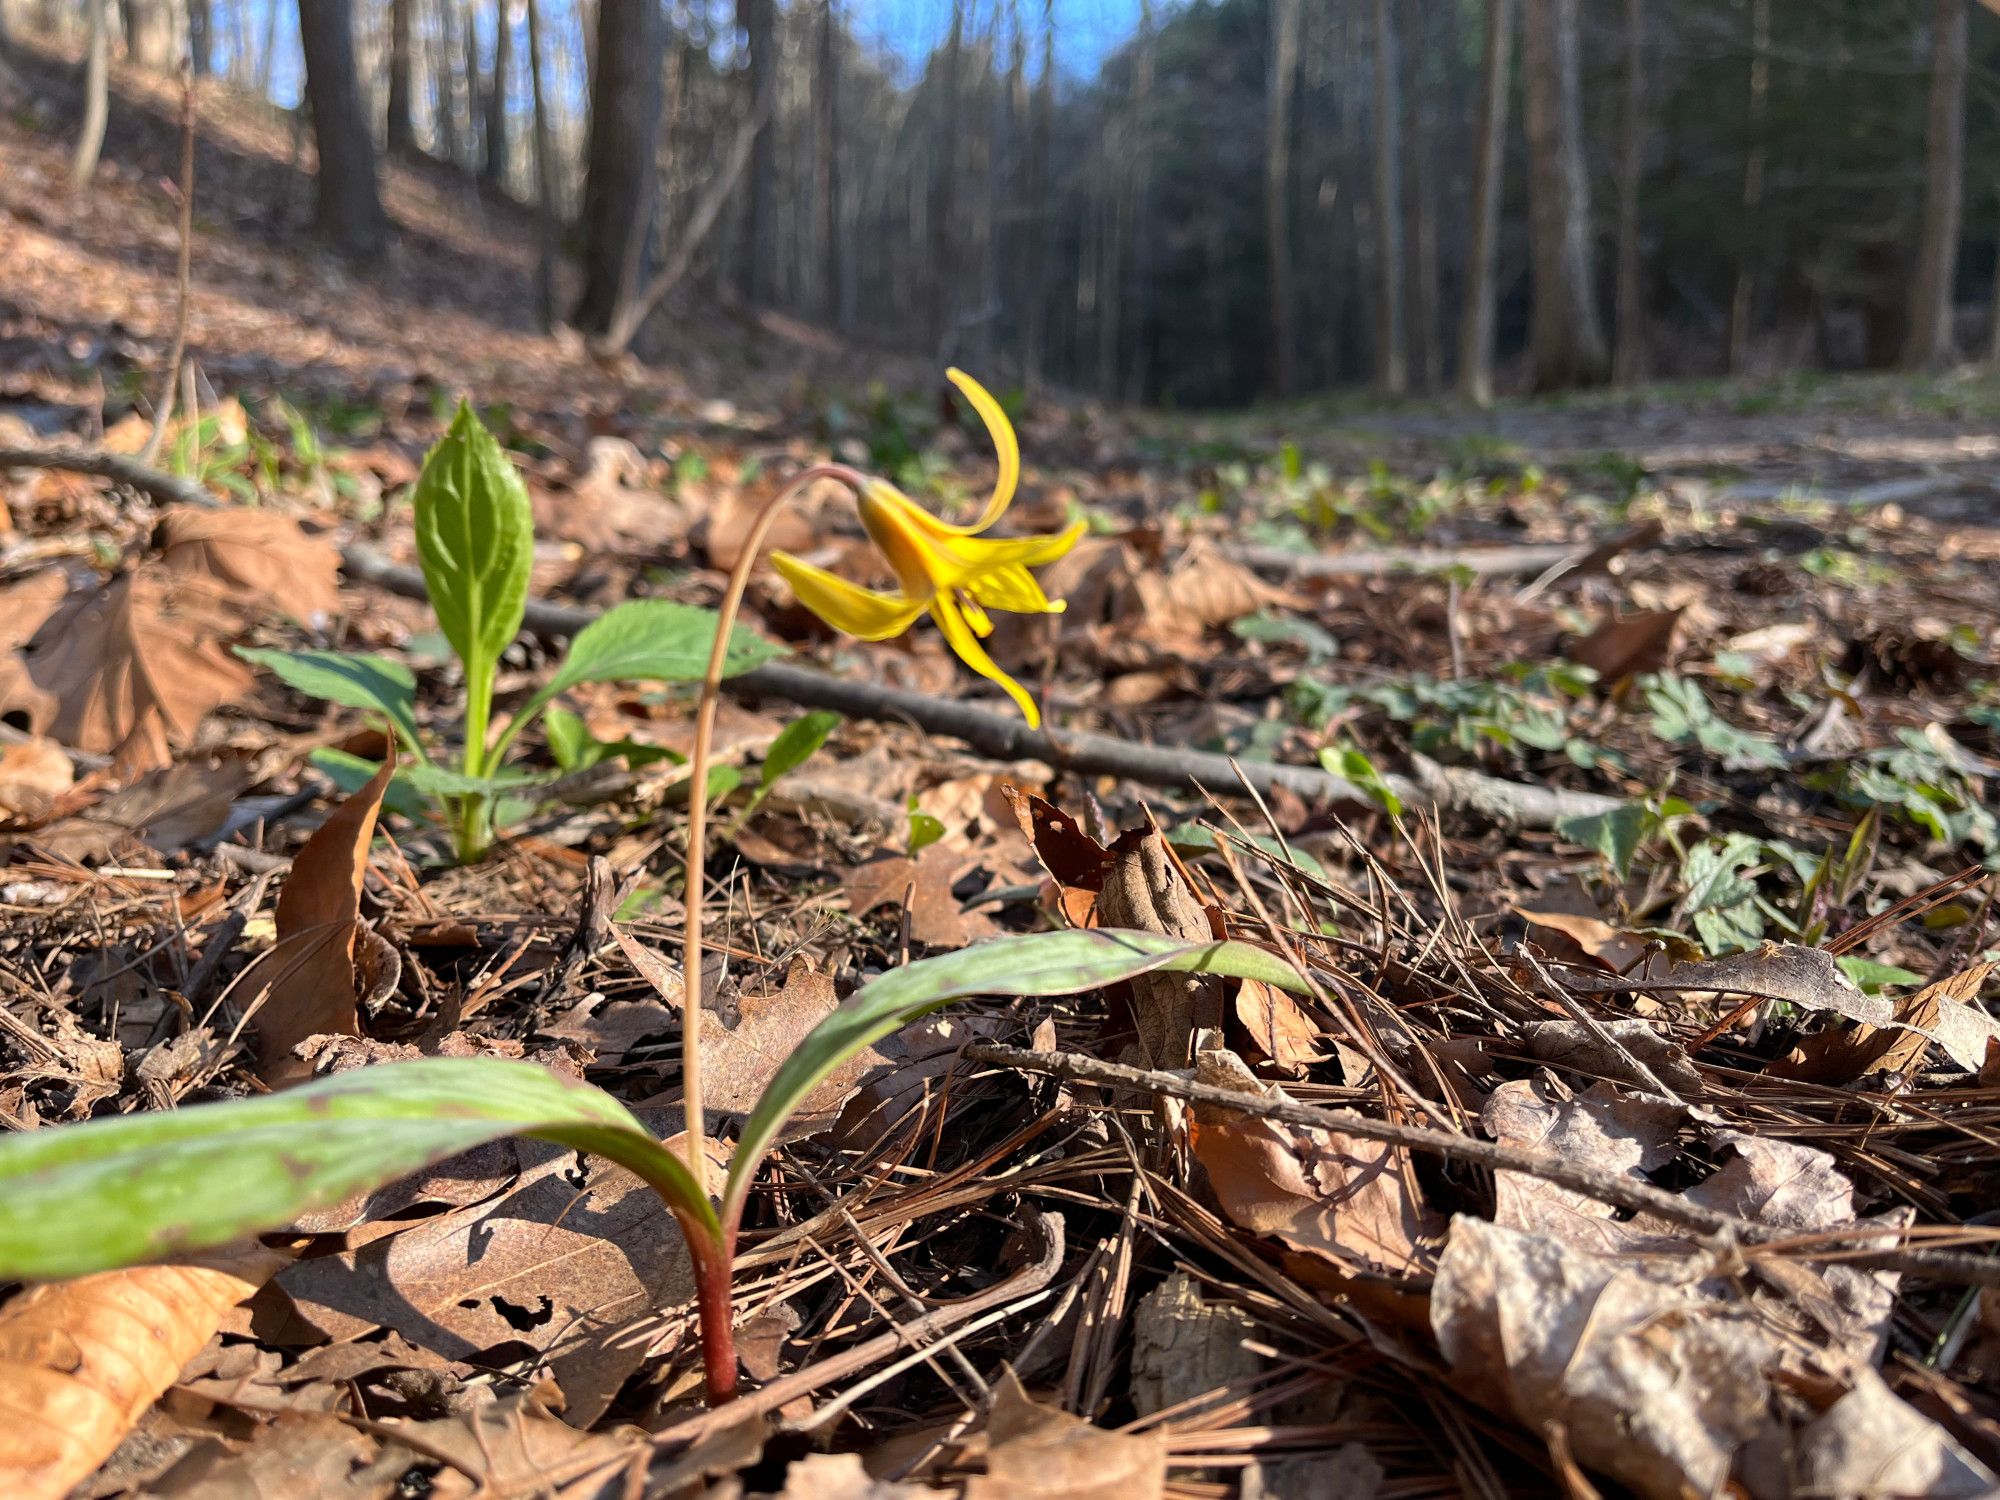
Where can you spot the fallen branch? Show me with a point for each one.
(994, 735)
(1637, 1196)
(1550, 560)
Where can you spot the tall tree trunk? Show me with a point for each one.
(468, 34)
(1427, 68)
(201, 37)
(1993, 318)
(149, 32)
(944, 186)
(1284, 68)
(494, 167)
(1929, 343)
(96, 96)
(1566, 336)
(267, 57)
(350, 212)
(401, 134)
(826, 89)
(758, 18)
(1628, 361)
(620, 185)
(1475, 328)
(444, 78)
(545, 179)
(1392, 367)
(1743, 300)
(1035, 326)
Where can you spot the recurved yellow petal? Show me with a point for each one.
(1005, 446)
(861, 613)
(958, 634)
(1014, 589)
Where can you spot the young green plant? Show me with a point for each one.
(475, 540)
(75, 1199)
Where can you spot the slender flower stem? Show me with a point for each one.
(717, 1336)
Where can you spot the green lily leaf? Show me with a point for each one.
(654, 640)
(796, 744)
(476, 540)
(378, 683)
(115, 1192)
(1038, 963)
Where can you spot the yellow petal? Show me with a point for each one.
(1014, 589)
(959, 636)
(1005, 445)
(896, 524)
(847, 607)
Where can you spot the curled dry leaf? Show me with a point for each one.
(1571, 1044)
(1036, 1452)
(1318, 1191)
(1809, 978)
(1144, 889)
(311, 974)
(742, 1059)
(134, 666)
(23, 608)
(261, 557)
(1660, 1379)
(81, 1360)
(1203, 590)
(33, 773)
(1278, 1025)
(1607, 1128)
(1939, 1012)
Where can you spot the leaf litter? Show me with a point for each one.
(1722, 952)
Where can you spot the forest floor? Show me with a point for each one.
(1655, 842)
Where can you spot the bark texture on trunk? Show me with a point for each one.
(96, 96)
(619, 190)
(493, 169)
(350, 210)
(401, 134)
(1566, 337)
(1475, 329)
(545, 178)
(1929, 343)
(1392, 361)
(1285, 24)
(758, 18)
(1629, 358)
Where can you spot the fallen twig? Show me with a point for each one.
(997, 736)
(1549, 560)
(1951, 1266)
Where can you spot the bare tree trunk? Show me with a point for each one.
(468, 35)
(96, 97)
(1035, 325)
(444, 76)
(494, 167)
(1929, 343)
(944, 186)
(401, 133)
(1743, 301)
(758, 18)
(1475, 329)
(267, 57)
(1993, 320)
(350, 212)
(545, 179)
(1628, 361)
(621, 185)
(1566, 336)
(826, 84)
(1140, 244)
(201, 37)
(149, 32)
(1392, 367)
(1285, 23)
(1427, 63)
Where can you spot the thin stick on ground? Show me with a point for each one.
(1847, 1246)
(170, 374)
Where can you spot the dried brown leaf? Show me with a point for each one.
(936, 918)
(739, 1061)
(33, 773)
(1937, 1012)
(1144, 889)
(261, 557)
(1624, 645)
(134, 666)
(1278, 1026)
(1037, 1452)
(81, 1360)
(569, 1271)
(311, 973)
(1319, 1191)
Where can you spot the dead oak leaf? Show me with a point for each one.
(1036, 1452)
(259, 556)
(1624, 645)
(1318, 1191)
(936, 918)
(134, 666)
(309, 977)
(1939, 1012)
(569, 1269)
(740, 1060)
(33, 773)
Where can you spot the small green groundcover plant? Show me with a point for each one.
(475, 540)
(103, 1194)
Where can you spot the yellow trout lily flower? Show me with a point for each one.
(952, 571)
